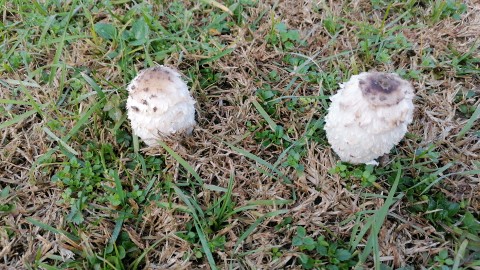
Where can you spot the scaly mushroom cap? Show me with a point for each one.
(382, 89)
(368, 116)
(159, 104)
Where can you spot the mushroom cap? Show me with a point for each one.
(368, 116)
(159, 104)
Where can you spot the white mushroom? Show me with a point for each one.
(369, 116)
(159, 104)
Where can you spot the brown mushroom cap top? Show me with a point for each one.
(383, 89)
(154, 80)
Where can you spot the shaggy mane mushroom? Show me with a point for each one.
(368, 116)
(159, 104)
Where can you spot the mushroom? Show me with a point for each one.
(159, 105)
(368, 116)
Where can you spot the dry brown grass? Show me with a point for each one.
(325, 203)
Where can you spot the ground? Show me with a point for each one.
(256, 186)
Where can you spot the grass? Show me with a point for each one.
(257, 185)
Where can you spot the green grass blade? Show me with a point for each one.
(217, 56)
(475, 116)
(201, 234)
(227, 197)
(215, 188)
(118, 186)
(191, 204)
(242, 209)
(460, 254)
(358, 237)
(147, 190)
(264, 114)
(269, 120)
(60, 141)
(174, 206)
(14, 102)
(377, 224)
(471, 172)
(205, 246)
(136, 144)
(256, 159)
(60, 46)
(254, 225)
(138, 260)
(24, 83)
(47, 267)
(52, 229)
(182, 162)
(79, 124)
(17, 119)
(116, 230)
(270, 202)
(374, 224)
(47, 26)
(93, 84)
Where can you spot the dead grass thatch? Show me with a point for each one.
(325, 204)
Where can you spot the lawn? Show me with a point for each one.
(257, 185)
